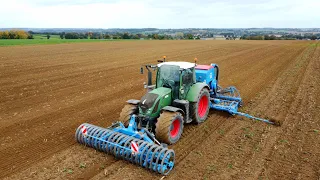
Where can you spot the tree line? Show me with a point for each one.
(20, 34)
(15, 34)
(284, 37)
(94, 35)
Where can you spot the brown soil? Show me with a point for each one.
(46, 92)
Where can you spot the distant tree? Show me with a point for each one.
(100, 36)
(62, 35)
(254, 37)
(21, 34)
(313, 37)
(189, 36)
(273, 37)
(30, 36)
(82, 36)
(4, 35)
(96, 35)
(244, 37)
(48, 36)
(93, 36)
(107, 36)
(179, 35)
(72, 35)
(155, 36)
(136, 36)
(11, 34)
(68, 36)
(169, 37)
(86, 36)
(89, 35)
(116, 37)
(126, 36)
(161, 37)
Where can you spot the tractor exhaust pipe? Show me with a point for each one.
(149, 74)
(149, 77)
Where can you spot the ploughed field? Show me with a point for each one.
(47, 91)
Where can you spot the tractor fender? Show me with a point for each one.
(194, 91)
(173, 109)
(133, 101)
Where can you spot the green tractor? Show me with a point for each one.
(175, 99)
(183, 93)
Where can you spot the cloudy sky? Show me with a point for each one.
(159, 13)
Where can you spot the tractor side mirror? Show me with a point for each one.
(141, 70)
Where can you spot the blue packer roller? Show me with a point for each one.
(117, 139)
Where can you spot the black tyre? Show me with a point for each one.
(169, 127)
(200, 109)
(126, 113)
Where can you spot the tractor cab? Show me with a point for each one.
(178, 76)
(173, 82)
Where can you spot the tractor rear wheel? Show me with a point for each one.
(126, 113)
(200, 109)
(169, 127)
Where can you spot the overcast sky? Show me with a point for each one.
(159, 13)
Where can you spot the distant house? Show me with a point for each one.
(219, 37)
(207, 39)
(216, 37)
(278, 35)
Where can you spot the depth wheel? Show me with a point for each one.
(169, 127)
(200, 109)
(126, 113)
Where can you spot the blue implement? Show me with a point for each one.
(255, 118)
(227, 99)
(117, 139)
(231, 106)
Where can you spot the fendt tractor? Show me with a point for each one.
(183, 93)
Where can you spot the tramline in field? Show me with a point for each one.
(183, 93)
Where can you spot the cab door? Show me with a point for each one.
(187, 80)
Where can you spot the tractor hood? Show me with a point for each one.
(161, 91)
(150, 102)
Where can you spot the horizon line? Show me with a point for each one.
(162, 28)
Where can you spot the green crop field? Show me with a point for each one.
(44, 36)
(53, 40)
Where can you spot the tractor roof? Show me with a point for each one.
(182, 65)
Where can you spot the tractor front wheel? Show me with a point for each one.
(126, 113)
(169, 127)
(200, 109)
